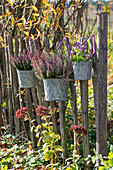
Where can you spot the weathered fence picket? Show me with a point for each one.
(84, 108)
(101, 114)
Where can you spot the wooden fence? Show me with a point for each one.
(18, 97)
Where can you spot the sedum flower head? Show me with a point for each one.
(42, 110)
(20, 113)
(79, 129)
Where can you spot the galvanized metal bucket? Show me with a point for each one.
(82, 70)
(27, 78)
(56, 89)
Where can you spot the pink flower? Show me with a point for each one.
(42, 110)
(21, 113)
(79, 129)
(24, 109)
(18, 113)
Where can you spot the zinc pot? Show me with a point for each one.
(27, 78)
(82, 70)
(56, 89)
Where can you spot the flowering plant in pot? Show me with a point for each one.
(53, 68)
(26, 76)
(82, 58)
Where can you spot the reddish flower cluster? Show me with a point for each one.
(42, 110)
(20, 113)
(110, 125)
(54, 109)
(79, 129)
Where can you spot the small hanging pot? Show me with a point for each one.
(27, 78)
(82, 70)
(56, 89)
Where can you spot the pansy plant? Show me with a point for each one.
(80, 53)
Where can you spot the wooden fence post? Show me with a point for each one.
(35, 101)
(1, 114)
(32, 117)
(10, 101)
(14, 85)
(84, 105)
(63, 129)
(101, 115)
(73, 89)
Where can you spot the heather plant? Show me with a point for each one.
(21, 62)
(49, 64)
(47, 136)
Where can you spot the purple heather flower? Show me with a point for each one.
(94, 54)
(90, 50)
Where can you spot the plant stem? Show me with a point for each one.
(30, 120)
(75, 146)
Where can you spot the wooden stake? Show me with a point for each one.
(32, 117)
(14, 84)
(63, 129)
(101, 115)
(84, 105)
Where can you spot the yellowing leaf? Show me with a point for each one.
(32, 36)
(27, 33)
(24, 5)
(30, 23)
(37, 30)
(20, 25)
(36, 15)
(32, 129)
(7, 12)
(74, 32)
(34, 8)
(110, 41)
(1, 39)
(85, 11)
(7, 83)
(5, 105)
(44, 19)
(68, 8)
(12, 20)
(45, 2)
(22, 1)
(39, 141)
(52, 9)
(70, 36)
(11, 2)
(48, 155)
(57, 23)
(2, 45)
(80, 6)
(60, 28)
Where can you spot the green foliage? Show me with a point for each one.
(49, 139)
(107, 165)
